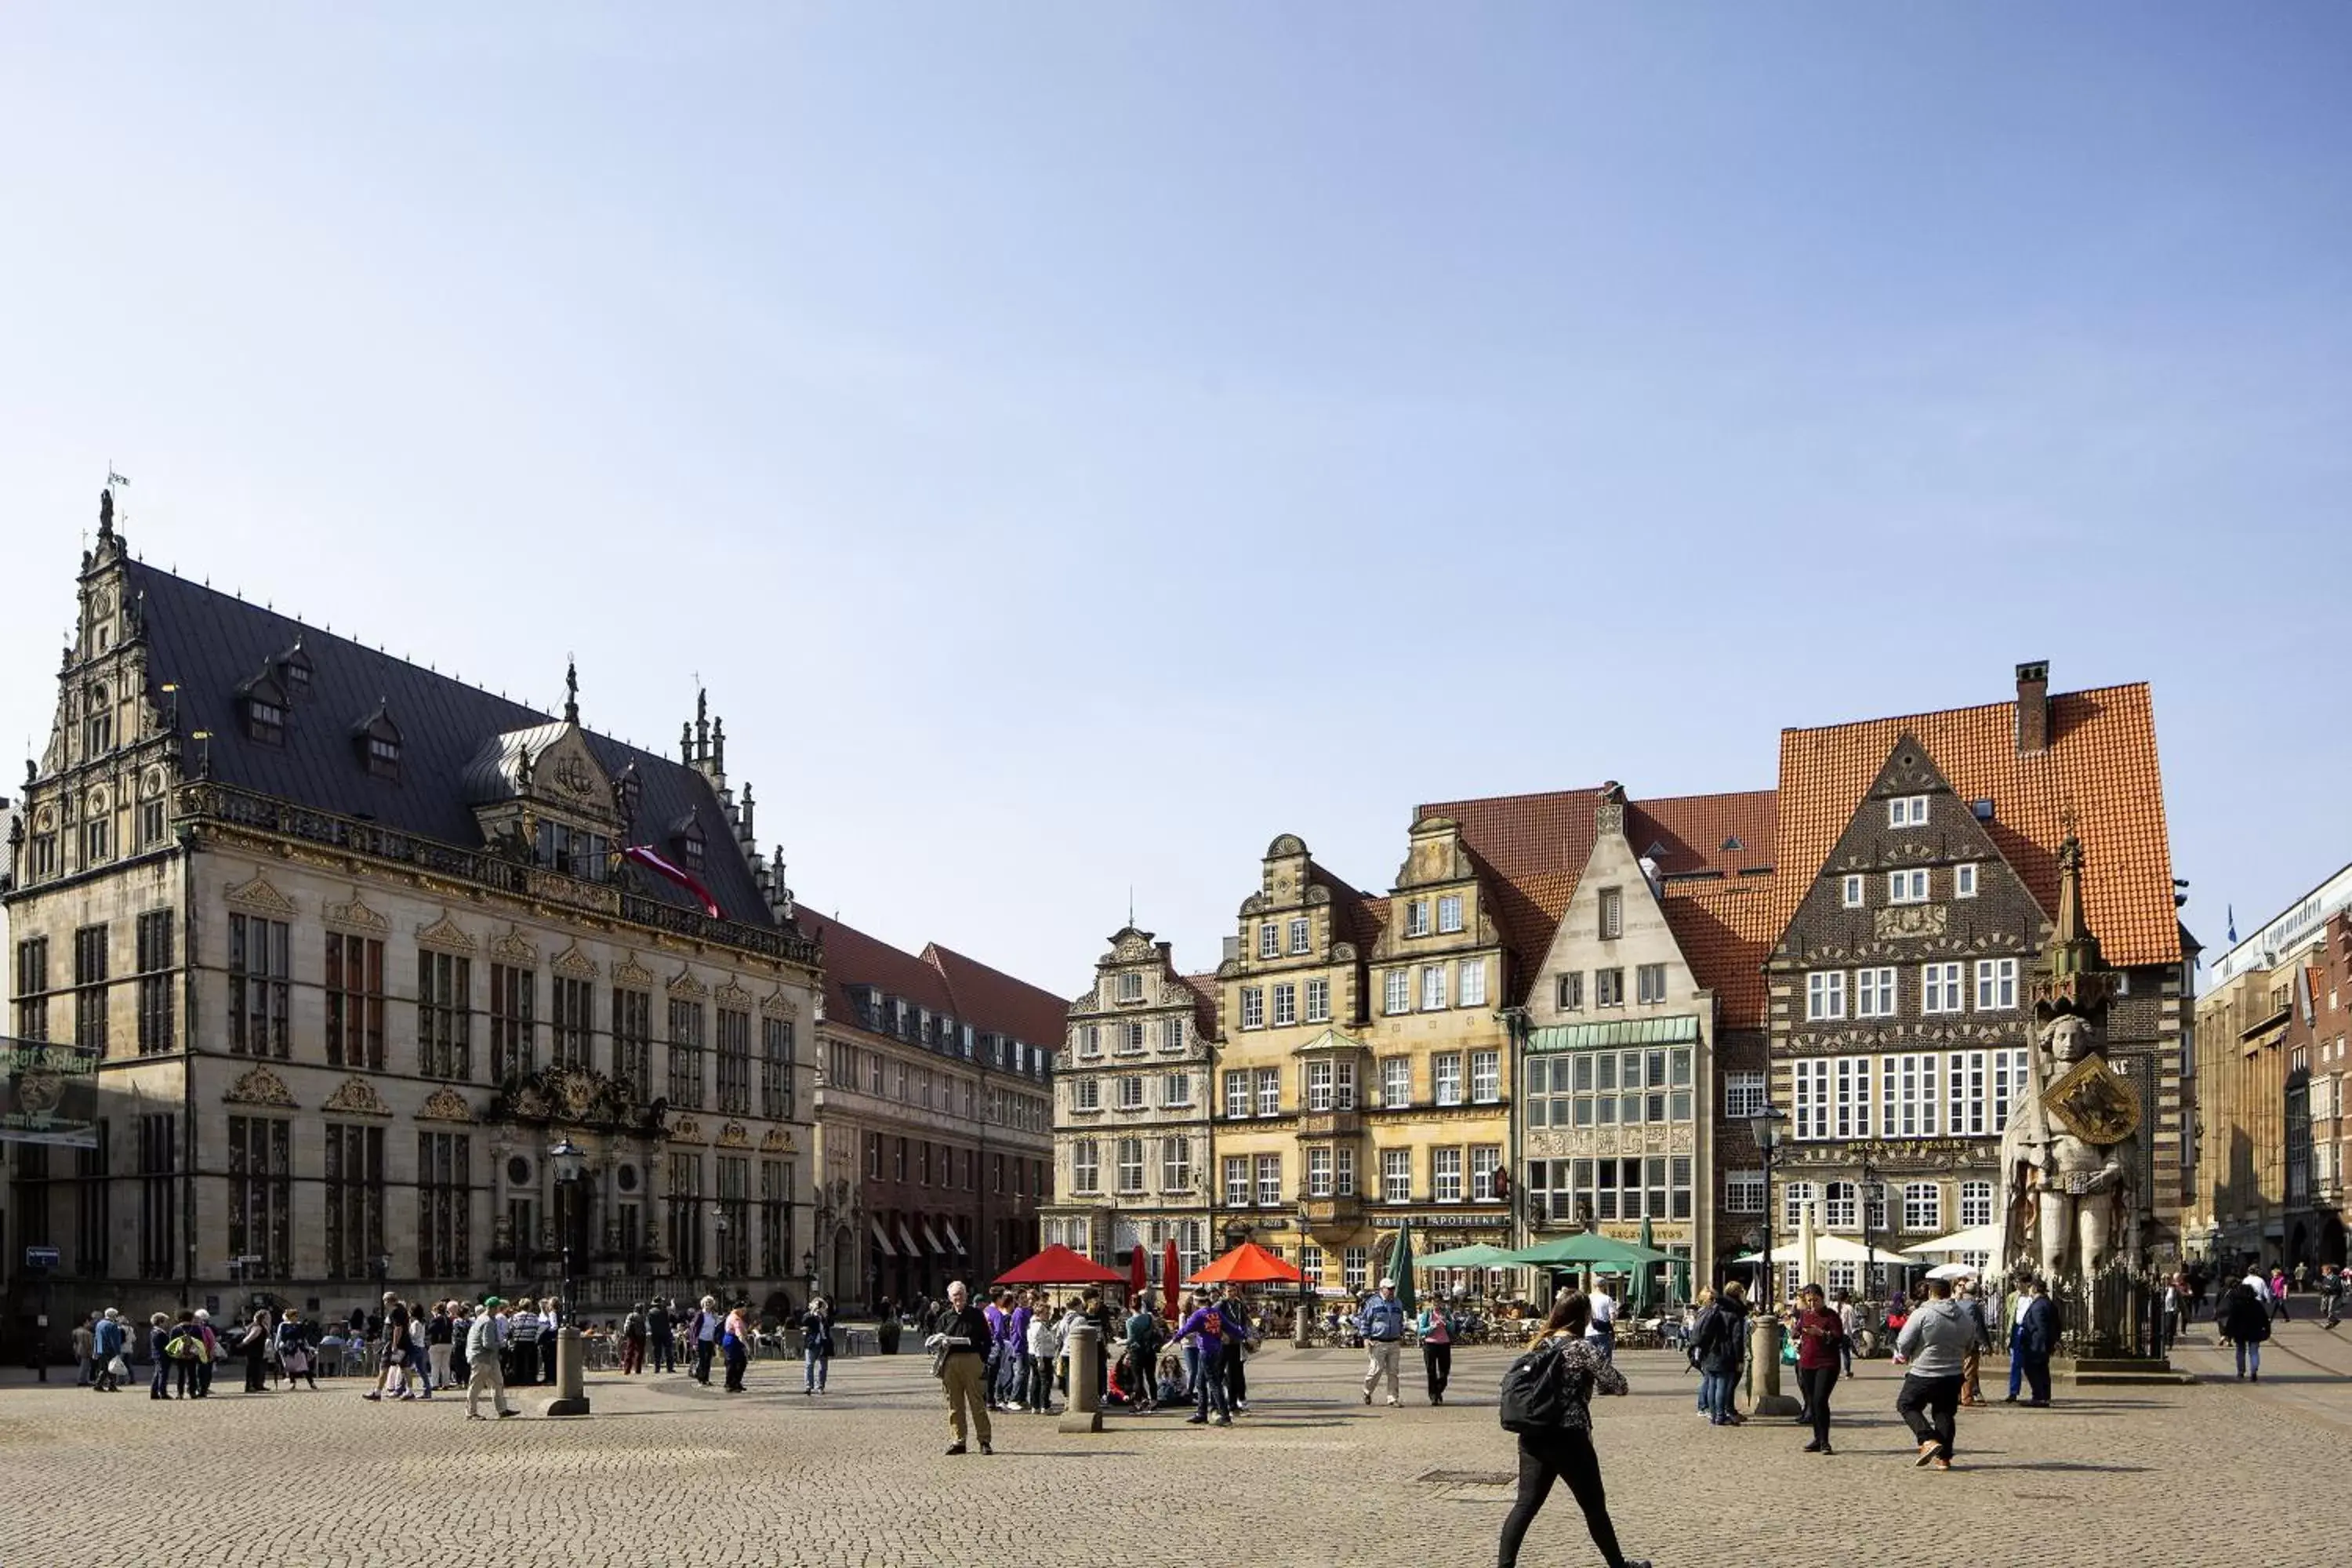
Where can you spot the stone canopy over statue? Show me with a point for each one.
(2070, 1154)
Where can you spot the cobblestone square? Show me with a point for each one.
(666, 1472)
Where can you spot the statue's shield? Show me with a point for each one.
(2093, 1102)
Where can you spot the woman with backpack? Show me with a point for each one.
(254, 1345)
(1562, 1449)
(294, 1350)
(1718, 1341)
(2246, 1321)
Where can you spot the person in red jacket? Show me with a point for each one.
(1821, 1336)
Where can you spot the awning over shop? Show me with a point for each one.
(933, 1238)
(1679, 1030)
(954, 1237)
(881, 1240)
(908, 1241)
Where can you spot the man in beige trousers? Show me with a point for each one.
(962, 1339)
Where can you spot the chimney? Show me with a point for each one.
(2033, 707)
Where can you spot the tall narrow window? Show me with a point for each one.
(90, 988)
(1612, 913)
(1472, 991)
(257, 975)
(354, 1002)
(159, 1196)
(686, 1091)
(633, 1043)
(354, 1200)
(775, 1219)
(684, 1205)
(572, 1017)
(1398, 991)
(514, 996)
(32, 988)
(260, 1182)
(1449, 914)
(156, 966)
(734, 1208)
(93, 1207)
(776, 1069)
(1318, 1002)
(444, 1188)
(444, 1019)
(735, 1063)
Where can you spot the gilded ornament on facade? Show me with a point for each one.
(734, 1135)
(575, 965)
(444, 932)
(445, 1104)
(257, 894)
(356, 1096)
(259, 1086)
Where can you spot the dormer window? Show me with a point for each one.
(261, 707)
(294, 672)
(378, 741)
(686, 833)
(627, 790)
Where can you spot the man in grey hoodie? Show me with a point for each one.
(1935, 1341)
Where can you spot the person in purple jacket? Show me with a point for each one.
(1012, 1355)
(1204, 1327)
(997, 1317)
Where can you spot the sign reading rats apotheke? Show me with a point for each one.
(49, 1094)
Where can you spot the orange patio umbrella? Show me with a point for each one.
(1248, 1264)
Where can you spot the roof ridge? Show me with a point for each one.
(1962, 708)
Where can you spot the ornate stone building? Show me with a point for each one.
(1919, 864)
(1132, 1101)
(356, 945)
(934, 1118)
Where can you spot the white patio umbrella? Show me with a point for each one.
(1984, 1238)
(1828, 1247)
(1952, 1271)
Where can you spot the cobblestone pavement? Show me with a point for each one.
(668, 1473)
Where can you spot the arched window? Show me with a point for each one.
(98, 723)
(1840, 1207)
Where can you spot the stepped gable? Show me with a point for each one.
(210, 643)
(2098, 765)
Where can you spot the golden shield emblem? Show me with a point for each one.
(2093, 1102)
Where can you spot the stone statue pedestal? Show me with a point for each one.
(1083, 1412)
(1764, 1370)
(571, 1376)
(2117, 1371)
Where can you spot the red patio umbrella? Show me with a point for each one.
(1248, 1264)
(1057, 1265)
(1168, 1277)
(1139, 1275)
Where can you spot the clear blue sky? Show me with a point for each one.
(1076, 443)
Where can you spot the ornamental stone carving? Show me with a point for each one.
(355, 915)
(513, 947)
(776, 1140)
(445, 1104)
(734, 1135)
(684, 983)
(686, 1129)
(259, 1086)
(776, 1005)
(633, 976)
(1909, 920)
(574, 965)
(356, 1096)
(734, 996)
(445, 933)
(259, 895)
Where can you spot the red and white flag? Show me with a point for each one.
(643, 855)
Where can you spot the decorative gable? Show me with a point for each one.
(257, 895)
(734, 1135)
(445, 933)
(684, 985)
(356, 1096)
(445, 1104)
(259, 1086)
(511, 947)
(632, 975)
(733, 996)
(686, 1129)
(566, 774)
(355, 915)
(574, 965)
(776, 1140)
(776, 1005)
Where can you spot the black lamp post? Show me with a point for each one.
(718, 1275)
(1869, 1232)
(565, 1161)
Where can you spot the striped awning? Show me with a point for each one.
(912, 1250)
(952, 1237)
(881, 1240)
(933, 1238)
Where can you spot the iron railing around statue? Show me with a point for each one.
(208, 801)
(2111, 1315)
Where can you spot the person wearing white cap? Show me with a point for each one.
(1382, 1322)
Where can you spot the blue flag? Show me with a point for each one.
(2234, 923)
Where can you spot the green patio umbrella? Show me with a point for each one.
(1587, 1247)
(1477, 1255)
(1401, 1268)
(1638, 1298)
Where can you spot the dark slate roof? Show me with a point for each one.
(211, 643)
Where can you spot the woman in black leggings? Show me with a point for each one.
(1565, 1453)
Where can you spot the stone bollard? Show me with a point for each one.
(1764, 1369)
(571, 1376)
(1083, 1412)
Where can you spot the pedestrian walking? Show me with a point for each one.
(1565, 1451)
(294, 1357)
(1434, 1329)
(1041, 1350)
(1719, 1345)
(1142, 1356)
(1964, 1292)
(2246, 1324)
(1820, 1335)
(159, 1338)
(961, 1343)
(993, 1310)
(1848, 1320)
(735, 1346)
(1936, 1334)
(440, 1345)
(2279, 1295)
(633, 1341)
(1203, 1329)
(108, 1339)
(254, 1345)
(817, 1344)
(1382, 1322)
(1603, 1330)
(706, 1322)
(1242, 1337)
(2037, 1340)
(2331, 1296)
(85, 1342)
(486, 1360)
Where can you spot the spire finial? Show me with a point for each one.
(1131, 905)
(570, 691)
(719, 747)
(701, 725)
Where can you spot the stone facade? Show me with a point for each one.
(336, 1051)
(1133, 1093)
(1617, 1088)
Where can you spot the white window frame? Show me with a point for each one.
(1433, 987)
(1976, 1203)
(1269, 939)
(1237, 1182)
(1445, 1175)
(1343, 1085)
(1745, 1093)
(1609, 988)
(1471, 984)
(1286, 1003)
(1396, 992)
(1130, 1038)
(1176, 1089)
(1650, 983)
(1130, 986)
(1908, 811)
(1416, 917)
(1252, 1006)
(1824, 996)
(1809, 1097)
(1319, 1171)
(1171, 1033)
(1567, 991)
(1795, 1198)
(1910, 1086)
(1446, 1077)
(1086, 1093)
(1344, 1179)
(1874, 993)
(1743, 1191)
(1851, 1098)
(1995, 984)
(1130, 1172)
(1940, 988)
(1318, 1000)
(1319, 1075)
(1237, 1095)
(1175, 1164)
(1130, 1091)
(1449, 914)
(1851, 893)
(1486, 1078)
(1610, 922)
(1923, 1209)
(1301, 937)
(1086, 1166)
(1270, 1092)
(1396, 1175)
(1090, 1040)
(1908, 886)
(1964, 880)
(1396, 1071)
(1486, 1159)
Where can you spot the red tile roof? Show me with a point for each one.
(1725, 930)
(941, 979)
(1205, 993)
(990, 999)
(2100, 767)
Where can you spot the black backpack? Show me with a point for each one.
(1535, 1390)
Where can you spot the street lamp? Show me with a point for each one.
(718, 1275)
(1769, 1122)
(808, 1268)
(571, 1381)
(1869, 1232)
